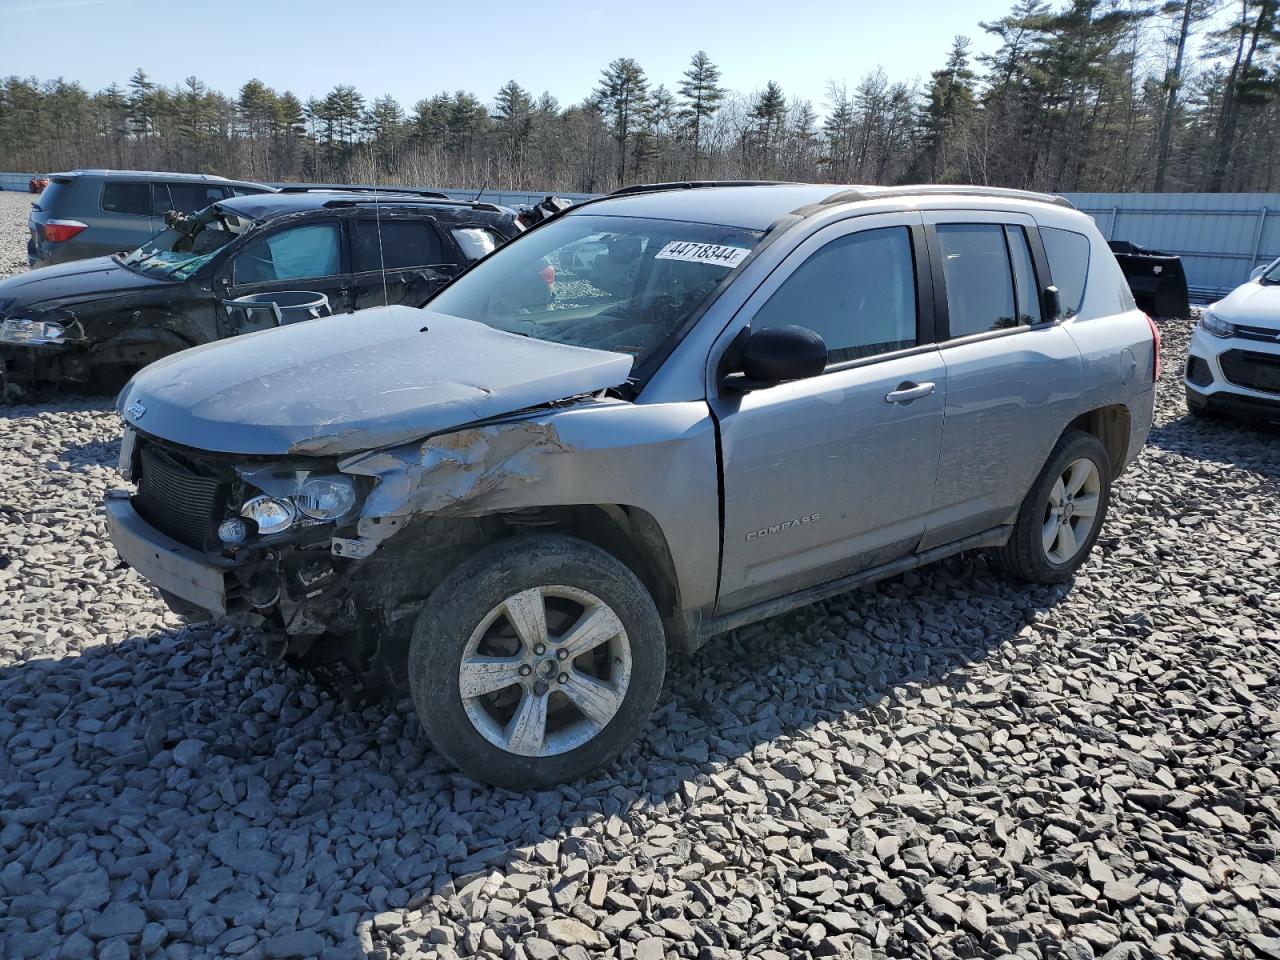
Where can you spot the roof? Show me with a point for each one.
(159, 175)
(263, 206)
(758, 206)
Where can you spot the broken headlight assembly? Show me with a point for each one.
(31, 333)
(288, 500)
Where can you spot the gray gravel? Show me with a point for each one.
(14, 208)
(946, 765)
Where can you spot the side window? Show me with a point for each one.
(1068, 254)
(858, 292)
(131, 198)
(1024, 275)
(405, 243)
(975, 265)
(476, 242)
(297, 253)
(190, 197)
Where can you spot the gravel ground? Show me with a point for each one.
(945, 765)
(14, 208)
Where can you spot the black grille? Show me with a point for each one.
(177, 501)
(1256, 371)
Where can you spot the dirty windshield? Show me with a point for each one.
(613, 283)
(185, 247)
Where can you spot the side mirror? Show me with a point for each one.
(1052, 304)
(774, 355)
(1257, 272)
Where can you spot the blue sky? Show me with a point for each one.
(397, 46)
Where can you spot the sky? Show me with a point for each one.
(416, 48)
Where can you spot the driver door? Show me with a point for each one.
(308, 256)
(834, 474)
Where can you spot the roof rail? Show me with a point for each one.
(945, 190)
(692, 185)
(358, 188)
(400, 198)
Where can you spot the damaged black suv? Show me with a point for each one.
(94, 322)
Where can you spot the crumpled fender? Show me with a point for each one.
(453, 473)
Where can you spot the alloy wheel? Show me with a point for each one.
(545, 671)
(1072, 510)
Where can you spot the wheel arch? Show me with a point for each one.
(631, 534)
(1112, 425)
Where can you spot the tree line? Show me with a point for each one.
(1104, 95)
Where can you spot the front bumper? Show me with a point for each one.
(1208, 374)
(170, 565)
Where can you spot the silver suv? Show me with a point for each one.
(651, 419)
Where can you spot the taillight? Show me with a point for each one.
(1155, 349)
(56, 231)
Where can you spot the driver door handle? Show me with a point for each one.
(909, 391)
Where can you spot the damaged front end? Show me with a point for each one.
(331, 557)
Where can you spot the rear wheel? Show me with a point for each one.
(537, 660)
(1061, 517)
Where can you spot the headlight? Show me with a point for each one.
(271, 515)
(293, 497)
(31, 332)
(325, 498)
(1210, 322)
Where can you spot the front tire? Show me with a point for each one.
(537, 660)
(1062, 515)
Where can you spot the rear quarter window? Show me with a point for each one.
(51, 196)
(131, 198)
(1068, 254)
(187, 197)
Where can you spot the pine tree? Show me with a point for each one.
(1187, 14)
(948, 112)
(702, 95)
(837, 130)
(385, 128)
(621, 98)
(514, 108)
(1255, 34)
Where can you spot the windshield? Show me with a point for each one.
(613, 283)
(190, 243)
(1273, 274)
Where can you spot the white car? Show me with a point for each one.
(1233, 364)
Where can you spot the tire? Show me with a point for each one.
(1036, 553)
(467, 620)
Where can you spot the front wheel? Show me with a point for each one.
(1061, 517)
(536, 660)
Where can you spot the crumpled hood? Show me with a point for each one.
(354, 382)
(68, 283)
(1252, 304)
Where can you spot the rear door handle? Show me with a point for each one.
(909, 391)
